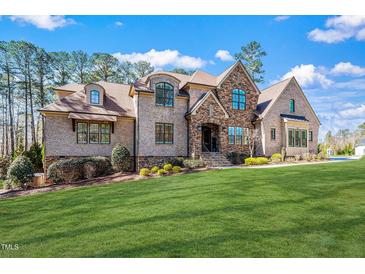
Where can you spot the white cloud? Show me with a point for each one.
(346, 68)
(340, 28)
(308, 75)
(118, 24)
(48, 22)
(281, 18)
(357, 84)
(224, 55)
(357, 112)
(163, 58)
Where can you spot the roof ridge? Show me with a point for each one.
(280, 82)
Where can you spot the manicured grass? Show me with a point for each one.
(303, 211)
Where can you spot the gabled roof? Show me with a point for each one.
(116, 102)
(199, 77)
(202, 99)
(72, 87)
(270, 95)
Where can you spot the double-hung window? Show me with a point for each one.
(238, 99)
(164, 94)
(82, 133)
(236, 135)
(310, 136)
(164, 133)
(93, 133)
(104, 133)
(297, 137)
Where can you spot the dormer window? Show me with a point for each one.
(95, 97)
(164, 94)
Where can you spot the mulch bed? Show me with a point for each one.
(109, 179)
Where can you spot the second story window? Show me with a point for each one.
(238, 99)
(164, 94)
(95, 97)
(292, 105)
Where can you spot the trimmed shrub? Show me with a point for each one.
(250, 161)
(256, 161)
(161, 172)
(20, 172)
(276, 158)
(297, 157)
(121, 158)
(154, 169)
(72, 170)
(35, 156)
(191, 164)
(236, 158)
(262, 160)
(144, 172)
(167, 167)
(176, 169)
(4, 166)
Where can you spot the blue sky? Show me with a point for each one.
(325, 53)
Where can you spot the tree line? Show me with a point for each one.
(343, 142)
(27, 74)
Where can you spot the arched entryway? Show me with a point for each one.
(210, 137)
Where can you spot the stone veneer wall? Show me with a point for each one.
(273, 120)
(237, 118)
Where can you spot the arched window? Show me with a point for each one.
(95, 97)
(164, 94)
(238, 99)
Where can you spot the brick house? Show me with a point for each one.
(165, 115)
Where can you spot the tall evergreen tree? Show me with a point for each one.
(251, 55)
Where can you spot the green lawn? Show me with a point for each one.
(303, 211)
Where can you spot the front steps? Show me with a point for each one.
(215, 159)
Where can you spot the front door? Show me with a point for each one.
(206, 139)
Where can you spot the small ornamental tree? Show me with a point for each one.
(253, 140)
(20, 172)
(121, 158)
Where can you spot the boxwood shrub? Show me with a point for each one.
(144, 172)
(167, 167)
(176, 169)
(71, 170)
(121, 158)
(276, 157)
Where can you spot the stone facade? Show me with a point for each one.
(273, 120)
(237, 118)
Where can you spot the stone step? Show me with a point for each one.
(215, 159)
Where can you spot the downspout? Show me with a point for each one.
(137, 136)
(134, 146)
